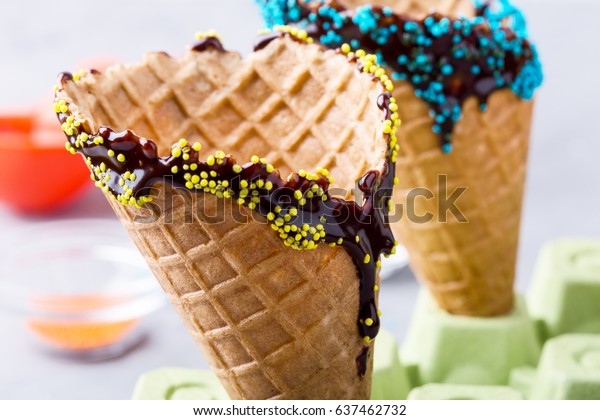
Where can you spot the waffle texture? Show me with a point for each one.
(273, 323)
(469, 267)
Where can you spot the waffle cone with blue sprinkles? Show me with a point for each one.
(465, 73)
(234, 178)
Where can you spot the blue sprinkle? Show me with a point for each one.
(447, 69)
(475, 69)
(411, 26)
(365, 18)
(447, 148)
(421, 59)
(437, 129)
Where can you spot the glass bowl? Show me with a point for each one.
(80, 286)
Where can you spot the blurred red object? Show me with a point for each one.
(37, 174)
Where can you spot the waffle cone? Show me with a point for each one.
(469, 267)
(273, 323)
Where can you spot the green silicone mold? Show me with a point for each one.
(464, 392)
(179, 384)
(390, 379)
(565, 293)
(569, 369)
(444, 348)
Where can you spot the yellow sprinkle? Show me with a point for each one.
(367, 259)
(237, 169)
(209, 34)
(220, 155)
(357, 239)
(182, 143)
(268, 185)
(393, 107)
(186, 156)
(368, 322)
(379, 312)
(367, 339)
(340, 241)
(197, 147)
(189, 185)
(396, 180)
(210, 160)
(174, 169)
(270, 168)
(346, 48)
(255, 159)
(297, 195)
(176, 152)
(121, 158)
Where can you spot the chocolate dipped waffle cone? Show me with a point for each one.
(273, 322)
(466, 260)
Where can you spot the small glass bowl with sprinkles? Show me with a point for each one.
(79, 287)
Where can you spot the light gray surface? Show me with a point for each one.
(39, 39)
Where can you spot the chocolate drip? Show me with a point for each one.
(208, 43)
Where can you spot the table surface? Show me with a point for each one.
(562, 197)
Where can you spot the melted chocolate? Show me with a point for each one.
(342, 221)
(208, 43)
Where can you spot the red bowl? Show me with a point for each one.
(37, 174)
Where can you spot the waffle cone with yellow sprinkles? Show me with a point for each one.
(272, 269)
(464, 72)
